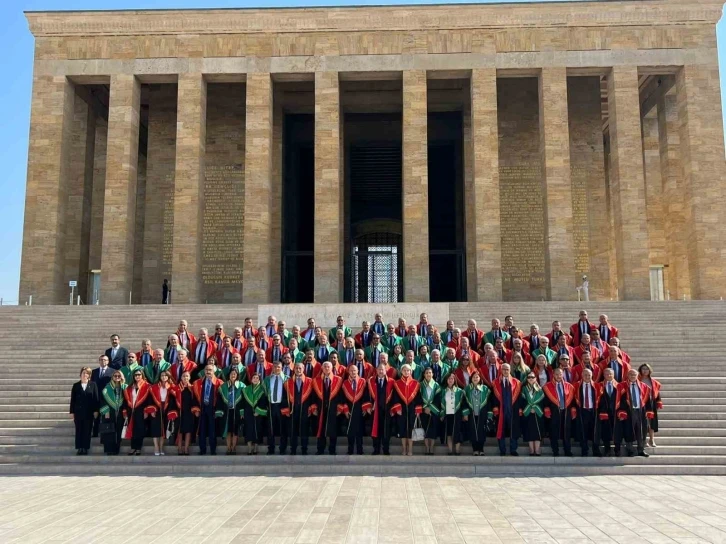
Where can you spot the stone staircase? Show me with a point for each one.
(44, 347)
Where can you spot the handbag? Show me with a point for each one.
(107, 427)
(125, 428)
(418, 434)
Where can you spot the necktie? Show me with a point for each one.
(610, 388)
(179, 372)
(321, 353)
(561, 395)
(327, 384)
(365, 338)
(308, 369)
(113, 354)
(276, 354)
(634, 396)
(350, 356)
(492, 372)
(207, 387)
(567, 376)
(299, 384)
(277, 389)
(473, 338)
(260, 370)
(586, 395)
(355, 384)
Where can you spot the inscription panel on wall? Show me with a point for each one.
(223, 224)
(522, 228)
(580, 219)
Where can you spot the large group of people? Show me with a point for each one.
(278, 387)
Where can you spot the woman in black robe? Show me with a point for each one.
(112, 401)
(136, 410)
(84, 409)
(531, 423)
(162, 398)
(254, 409)
(187, 427)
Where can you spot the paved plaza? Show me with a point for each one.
(318, 510)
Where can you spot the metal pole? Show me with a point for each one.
(72, 289)
(129, 298)
(30, 300)
(78, 303)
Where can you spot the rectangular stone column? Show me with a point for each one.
(555, 147)
(117, 258)
(79, 194)
(415, 190)
(257, 253)
(677, 277)
(627, 184)
(702, 153)
(191, 136)
(328, 190)
(654, 205)
(484, 215)
(51, 121)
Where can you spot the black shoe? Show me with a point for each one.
(213, 453)
(202, 453)
(631, 454)
(293, 452)
(78, 452)
(270, 452)
(641, 453)
(514, 454)
(555, 454)
(376, 452)
(319, 452)
(608, 452)
(597, 453)
(359, 452)
(350, 452)
(584, 454)
(386, 453)
(304, 452)
(502, 453)
(137, 453)
(568, 454)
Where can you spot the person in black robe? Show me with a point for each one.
(407, 404)
(606, 408)
(136, 410)
(531, 414)
(506, 390)
(354, 396)
(559, 399)
(300, 400)
(100, 376)
(327, 388)
(163, 399)
(187, 427)
(631, 415)
(587, 394)
(112, 400)
(254, 408)
(84, 409)
(380, 393)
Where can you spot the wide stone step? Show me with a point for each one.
(28, 408)
(681, 401)
(672, 429)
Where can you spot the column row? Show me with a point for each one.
(694, 194)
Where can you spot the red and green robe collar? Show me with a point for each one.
(112, 401)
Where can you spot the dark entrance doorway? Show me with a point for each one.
(373, 265)
(447, 266)
(298, 208)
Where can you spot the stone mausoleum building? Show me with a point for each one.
(405, 153)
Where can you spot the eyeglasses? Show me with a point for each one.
(530, 377)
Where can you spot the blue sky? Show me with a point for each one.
(17, 65)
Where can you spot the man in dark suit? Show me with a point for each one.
(116, 354)
(101, 376)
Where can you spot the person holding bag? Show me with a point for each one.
(254, 413)
(531, 414)
(406, 406)
(230, 393)
(476, 413)
(112, 420)
(184, 393)
(84, 409)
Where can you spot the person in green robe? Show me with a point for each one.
(531, 412)
(450, 415)
(390, 340)
(476, 414)
(238, 366)
(396, 359)
(230, 393)
(439, 369)
(416, 370)
(431, 397)
(519, 369)
(128, 369)
(545, 350)
(295, 352)
(347, 331)
(423, 357)
(153, 370)
(300, 341)
(436, 342)
(254, 413)
(218, 372)
(449, 359)
(112, 400)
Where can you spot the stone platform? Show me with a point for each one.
(44, 348)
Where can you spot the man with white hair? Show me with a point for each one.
(631, 414)
(380, 391)
(506, 391)
(607, 331)
(153, 370)
(186, 339)
(203, 348)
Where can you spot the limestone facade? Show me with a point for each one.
(591, 143)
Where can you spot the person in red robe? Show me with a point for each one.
(263, 341)
(464, 371)
(327, 389)
(379, 406)
(249, 330)
(354, 397)
(518, 347)
(619, 367)
(365, 336)
(205, 399)
(182, 365)
(186, 338)
(586, 364)
(490, 370)
(239, 342)
(146, 355)
(300, 402)
(424, 328)
(562, 347)
(465, 349)
(533, 338)
(261, 367)
(582, 326)
(219, 335)
(606, 330)
(506, 391)
(555, 334)
(276, 350)
(311, 367)
(560, 412)
(249, 354)
(598, 344)
(365, 369)
(645, 375)
(225, 353)
(165, 411)
(202, 349)
(615, 341)
(407, 404)
(475, 335)
(585, 346)
(587, 398)
(632, 404)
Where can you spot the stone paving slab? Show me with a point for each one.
(363, 509)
